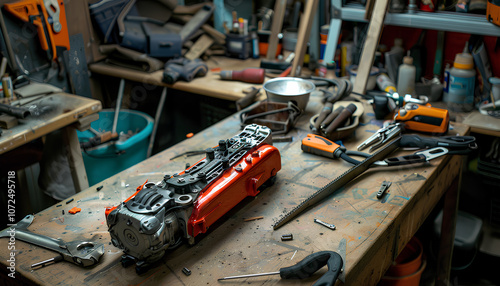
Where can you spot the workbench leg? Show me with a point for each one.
(75, 159)
(448, 226)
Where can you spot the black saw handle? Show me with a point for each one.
(312, 263)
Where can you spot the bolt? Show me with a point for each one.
(180, 180)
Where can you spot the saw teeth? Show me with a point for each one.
(365, 165)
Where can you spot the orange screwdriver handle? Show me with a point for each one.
(251, 75)
(319, 145)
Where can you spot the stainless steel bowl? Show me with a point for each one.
(285, 89)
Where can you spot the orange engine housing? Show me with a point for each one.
(241, 180)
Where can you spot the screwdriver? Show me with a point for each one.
(250, 75)
(306, 267)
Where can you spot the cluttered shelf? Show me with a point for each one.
(208, 85)
(439, 20)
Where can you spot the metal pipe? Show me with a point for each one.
(118, 104)
(18, 112)
(159, 109)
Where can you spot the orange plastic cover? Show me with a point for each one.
(241, 180)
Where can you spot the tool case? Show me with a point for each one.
(162, 42)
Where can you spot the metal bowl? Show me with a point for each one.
(285, 89)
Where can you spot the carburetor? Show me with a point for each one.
(158, 217)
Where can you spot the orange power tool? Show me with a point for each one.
(49, 17)
(424, 118)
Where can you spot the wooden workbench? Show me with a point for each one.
(370, 232)
(58, 111)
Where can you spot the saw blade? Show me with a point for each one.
(340, 181)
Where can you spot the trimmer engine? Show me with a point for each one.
(160, 216)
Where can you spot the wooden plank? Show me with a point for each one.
(370, 45)
(201, 45)
(372, 230)
(279, 15)
(303, 36)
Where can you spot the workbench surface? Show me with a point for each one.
(369, 235)
(54, 112)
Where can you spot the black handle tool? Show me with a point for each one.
(307, 267)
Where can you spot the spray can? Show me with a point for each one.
(461, 83)
(8, 89)
(385, 83)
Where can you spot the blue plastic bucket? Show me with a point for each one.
(111, 158)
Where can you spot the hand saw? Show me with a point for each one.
(340, 181)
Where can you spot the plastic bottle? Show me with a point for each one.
(393, 58)
(406, 77)
(462, 81)
(385, 83)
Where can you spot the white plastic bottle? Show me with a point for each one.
(462, 83)
(406, 77)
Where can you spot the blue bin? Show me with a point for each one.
(111, 158)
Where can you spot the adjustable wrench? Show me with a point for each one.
(82, 253)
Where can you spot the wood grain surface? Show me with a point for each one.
(57, 110)
(369, 235)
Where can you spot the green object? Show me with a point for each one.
(111, 158)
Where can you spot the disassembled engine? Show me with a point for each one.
(157, 217)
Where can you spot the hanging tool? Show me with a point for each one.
(81, 253)
(49, 17)
(424, 118)
(250, 75)
(307, 267)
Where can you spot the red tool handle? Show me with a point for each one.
(251, 75)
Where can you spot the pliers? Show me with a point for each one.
(382, 136)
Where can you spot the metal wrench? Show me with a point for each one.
(82, 253)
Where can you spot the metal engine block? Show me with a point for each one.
(160, 216)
